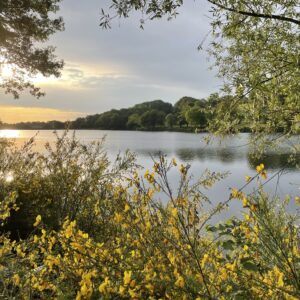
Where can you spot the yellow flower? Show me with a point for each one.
(118, 218)
(122, 290)
(146, 174)
(204, 260)
(156, 167)
(183, 170)
(132, 294)
(148, 226)
(103, 286)
(150, 287)
(245, 202)
(174, 212)
(260, 168)
(279, 275)
(236, 194)
(174, 162)
(16, 279)
(38, 220)
(179, 282)
(20, 253)
(35, 239)
(248, 178)
(127, 277)
(84, 290)
(127, 207)
(69, 229)
(171, 257)
(149, 177)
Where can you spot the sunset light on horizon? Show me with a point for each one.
(12, 114)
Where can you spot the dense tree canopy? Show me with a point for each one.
(186, 103)
(24, 26)
(196, 117)
(186, 114)
(256, 49)
(152, 118)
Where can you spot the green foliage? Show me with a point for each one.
(256, 49)
(209, 114)
(123, 119)
(24, 26)
(65, 181)
(156, 114)
(186, 103)
(134, 122)
(170, 120)
(152, 118)
(109, 120)
(156, 104)
(196, 117)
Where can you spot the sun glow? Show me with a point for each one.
(9, 134)
(6, 71)
(40, 79)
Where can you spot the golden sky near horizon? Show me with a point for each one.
(13, 114)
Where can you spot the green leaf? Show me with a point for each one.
(228, 245)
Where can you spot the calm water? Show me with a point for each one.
(231, 155)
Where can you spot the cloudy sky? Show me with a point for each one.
(121, 66)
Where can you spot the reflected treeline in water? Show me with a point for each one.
(224, 155)
(272, 160)
(275, 161)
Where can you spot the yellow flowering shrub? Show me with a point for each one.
(140, 247)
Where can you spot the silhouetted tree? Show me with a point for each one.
(24, 26)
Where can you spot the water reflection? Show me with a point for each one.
(227, 156)
(188, 148)
(275, 161)
(224, 155)
(9, 134)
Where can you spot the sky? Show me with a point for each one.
(119, 67)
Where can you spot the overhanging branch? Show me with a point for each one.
(254, 14)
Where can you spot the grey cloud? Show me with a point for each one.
(74, 73)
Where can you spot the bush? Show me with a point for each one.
(67, 180)
(124, 243)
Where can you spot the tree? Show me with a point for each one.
(256, 48)
(261, 63)
(181, 120)
(133, 122)
(185, 103)
(24, 26)
(155, 104)
(170, 120)
(152, 118)
(110, 120)
(196, 117)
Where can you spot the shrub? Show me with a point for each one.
(146, 249)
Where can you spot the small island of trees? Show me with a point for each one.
(187, 114)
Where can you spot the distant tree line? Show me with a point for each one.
(34, 125)
(187, 114)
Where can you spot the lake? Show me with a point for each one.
(232, 155)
